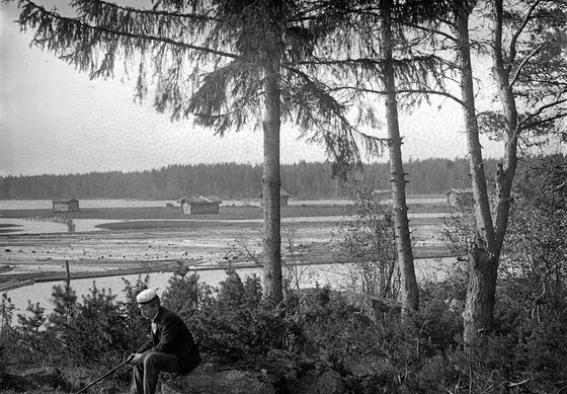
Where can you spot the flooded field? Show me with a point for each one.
(36, 245)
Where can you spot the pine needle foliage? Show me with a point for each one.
(205, 60)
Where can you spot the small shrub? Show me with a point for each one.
(7, 332)
(97, 328)
(237, 324)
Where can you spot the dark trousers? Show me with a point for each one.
(145, 376)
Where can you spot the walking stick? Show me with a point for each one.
(107, 374)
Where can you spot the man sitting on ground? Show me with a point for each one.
(171, 347)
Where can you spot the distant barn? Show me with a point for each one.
(284, 197)
(382, 194)
(71, 205)
(199, 205)
(460, 197)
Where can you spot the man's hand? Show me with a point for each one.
(135, 359)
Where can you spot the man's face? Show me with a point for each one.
(148, 310)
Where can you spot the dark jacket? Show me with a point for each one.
(173, 336)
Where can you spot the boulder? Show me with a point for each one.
(305, 384)
(44, 378)
(383, 307)
(317, 382)
(330, 382)
(9, 382)
(367, 365)
(203, 380)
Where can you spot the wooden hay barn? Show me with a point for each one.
(71, 205)
(199, 205)
(284, 197)
(382, 194)
(459, 197)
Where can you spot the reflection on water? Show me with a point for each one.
(35, 226)
(337, 276)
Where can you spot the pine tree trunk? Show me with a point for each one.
(271, 183)
(483, 256)
(409, 289)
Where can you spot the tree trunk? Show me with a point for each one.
(483, 252)
(485, 256)
(507, 170)
(271, 183)
(409, 290)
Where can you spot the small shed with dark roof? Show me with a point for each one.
(460, 197)
(284, 197)
(199, 205)
(71, 205)
(382, 194)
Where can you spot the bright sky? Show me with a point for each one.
(54, 120)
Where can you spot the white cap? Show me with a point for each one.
(146, 296)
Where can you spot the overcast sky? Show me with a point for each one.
(55, 120)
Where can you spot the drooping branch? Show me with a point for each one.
(545, 121)
(524, 62)
(402, 91)
(227, 96)
(432, 31)
(317, 108)
(69, 30)
(540, 110)
(92, 8)
(519, 31)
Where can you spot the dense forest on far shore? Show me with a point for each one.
(303, 180)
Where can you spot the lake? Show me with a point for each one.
(45, 245)
(337, 276)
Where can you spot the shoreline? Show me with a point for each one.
(16, 280)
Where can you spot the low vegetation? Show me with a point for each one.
(234, 327)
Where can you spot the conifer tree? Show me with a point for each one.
(389, 63)
(226, 63)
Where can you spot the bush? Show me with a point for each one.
(7, 332)
(237, 324)
(97, 329)
(328, 327)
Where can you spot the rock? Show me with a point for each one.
(9, 382)
(368, 365)
(317, 382)
(46, 377)
(218, 382)
(279, 362)
(383, 307)
(305, 384)
(330, 382)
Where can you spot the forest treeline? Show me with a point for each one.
(303, 180)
